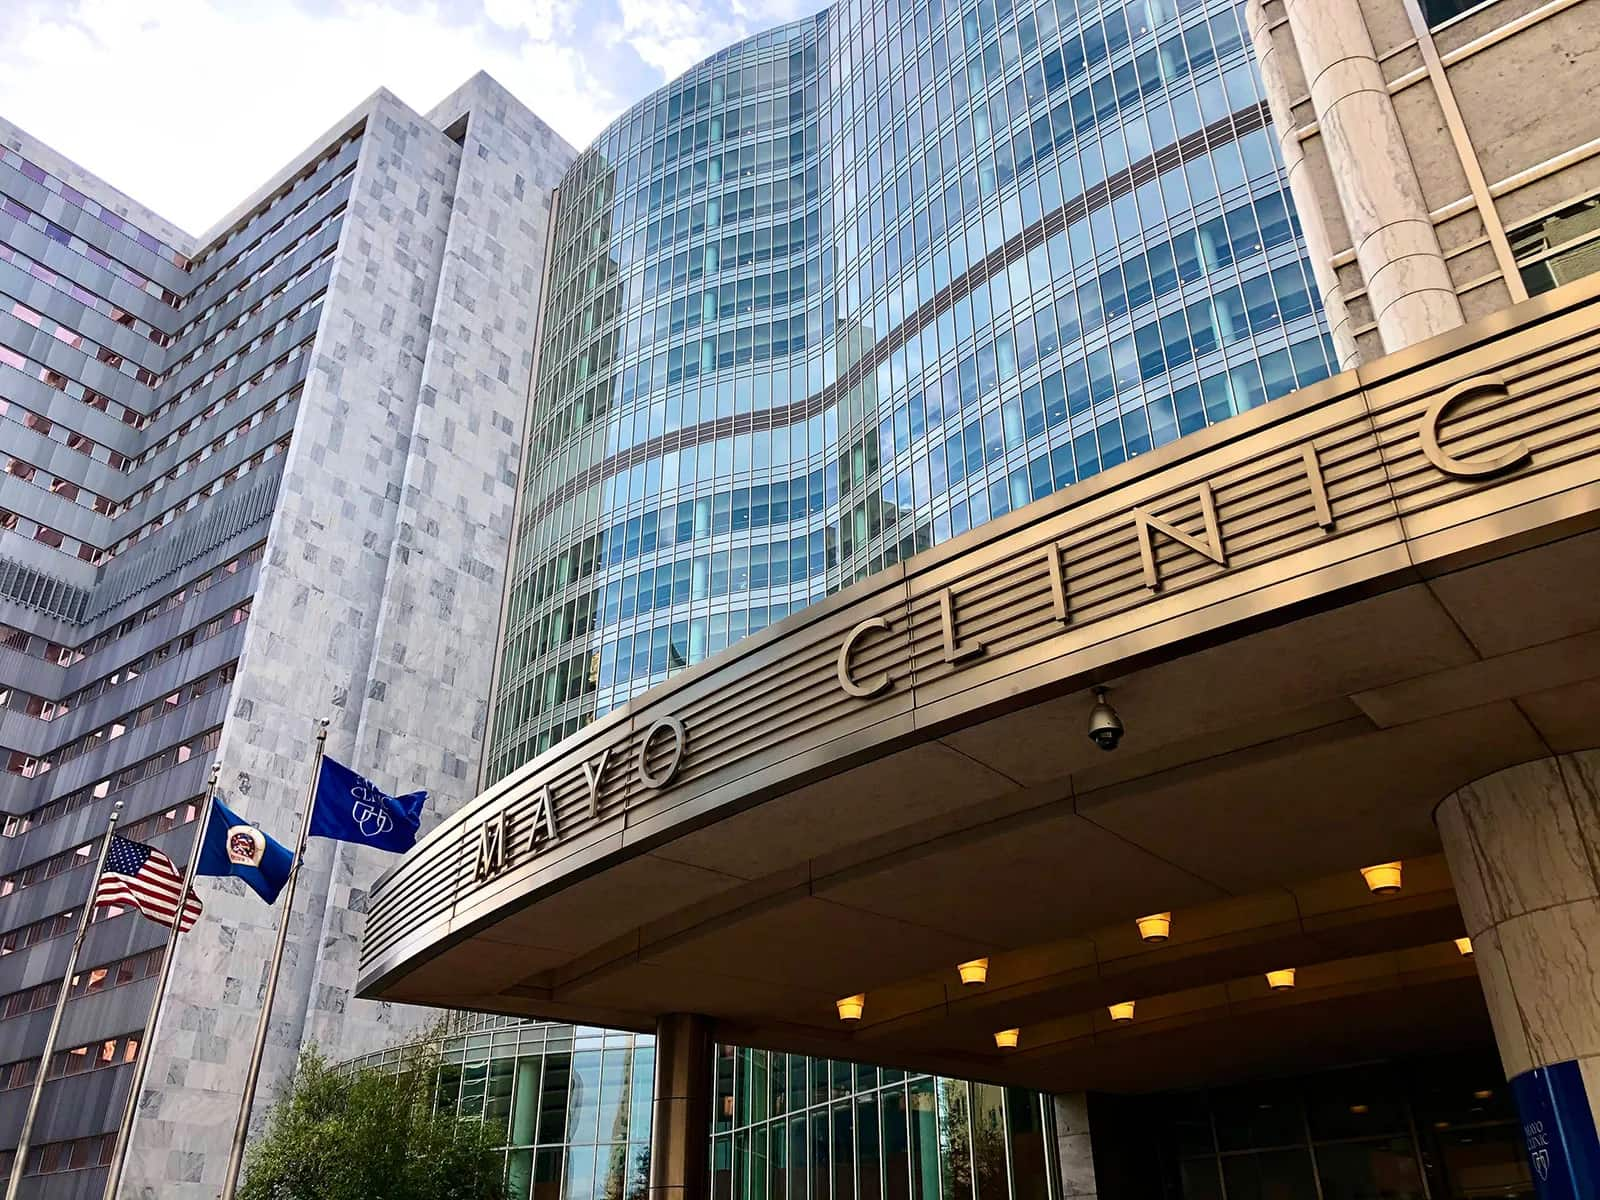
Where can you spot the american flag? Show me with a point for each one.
(143, 877)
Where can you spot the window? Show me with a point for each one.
(1559, 248)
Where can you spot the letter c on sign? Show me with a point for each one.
(865, 687)
(667, 774)
(1460, 468)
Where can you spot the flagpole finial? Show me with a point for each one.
(322, 729)
(216, 773)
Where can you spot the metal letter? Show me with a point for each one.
(1211, 547)
(1058, 583)
(867, 687)
(492, 847)
(591, 775)
(680, 739)
(1319, 487)
(1462, 468)
(954, 651)
(544, 819)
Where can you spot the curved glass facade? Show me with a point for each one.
(858, 284)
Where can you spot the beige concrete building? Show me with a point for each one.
(1444, 157)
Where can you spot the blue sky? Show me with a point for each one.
(189, 105)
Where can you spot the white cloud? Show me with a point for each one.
(190, 105)
(673, 35)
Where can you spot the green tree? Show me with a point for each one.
(373, 1134)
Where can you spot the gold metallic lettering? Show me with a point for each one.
(872, 685)
(954, 651)
(1056, 570)
(591, 776)
(1211, 546)
(544, 820)
(492, 837)
(680, 739)
(1463, 468)
(1319, 486)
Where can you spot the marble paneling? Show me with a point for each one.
(1074, 1150)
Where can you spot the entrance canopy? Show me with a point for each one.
(1315, 620)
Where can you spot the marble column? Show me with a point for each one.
(680, 1131)
(1524, 853)
(1407, 280)
(1302, 191)
(1074, 1152)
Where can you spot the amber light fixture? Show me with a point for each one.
(1464, 945)
(1007, 1039)
(1281, 981)
(1122, 1013)
(850, 1008)
(1383, 879)
(976, 971)
(1157, 927)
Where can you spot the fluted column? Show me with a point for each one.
(1407, 280)
(680, 1131)
(1301, 189)
(1524, 853)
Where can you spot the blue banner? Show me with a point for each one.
(350, 808)
(1558, 1132)
(235, 847)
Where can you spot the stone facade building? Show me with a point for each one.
(253, 479)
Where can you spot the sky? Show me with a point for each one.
(188, 106)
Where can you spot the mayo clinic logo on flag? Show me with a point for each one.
(368, 811)
(351, 808)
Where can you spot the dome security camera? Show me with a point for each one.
(1105, 727)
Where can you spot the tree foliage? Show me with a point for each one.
(372, 1134)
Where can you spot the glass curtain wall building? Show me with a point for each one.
(860, 283)
(574, 1105)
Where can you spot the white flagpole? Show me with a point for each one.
(241, 1129)
(19, 1162)
(125, 1130)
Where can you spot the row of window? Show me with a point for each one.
(112, 730)
(238, 392)
(321, 263)
(645, 656)
(51, 710)
(86, 982)
(57, 432)
(60, 485)
(94, 1056)
(256, 460)
(55, 380)
(1083, 383)
(94, 208)
(75, 340)
(50, 536)
(21, 212)
(57, 925)
(144, 828)
(76, 1154)
(35, 646)
(70, 287)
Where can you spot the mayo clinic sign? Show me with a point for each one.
(870, 659)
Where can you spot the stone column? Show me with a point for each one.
(1074, 1152)
(1302, 191)
(680, 1131)
(1524, 853)
(1407, 281)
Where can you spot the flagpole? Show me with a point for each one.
(241, 1129)
(19, 1161)
(125, 1130)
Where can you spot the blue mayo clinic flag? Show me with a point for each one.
(235, 847)
(349, 808)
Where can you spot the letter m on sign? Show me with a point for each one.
(493, 837)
